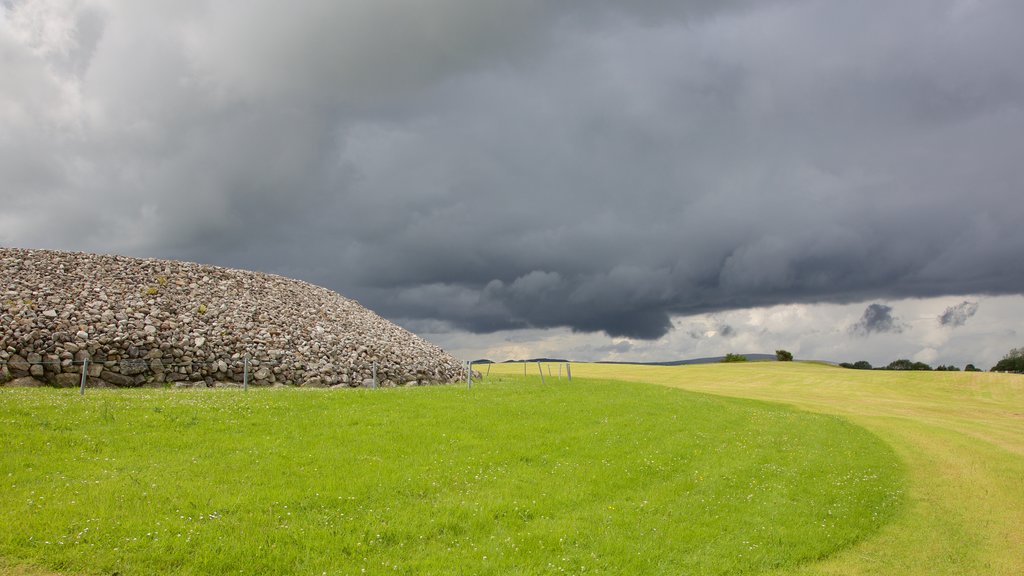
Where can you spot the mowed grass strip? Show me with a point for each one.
(511, 477)
(959, 434)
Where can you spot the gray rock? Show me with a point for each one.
(116, 379)
(133, 366)
(24, 382)
(18, 365)
(68, 380)
(296, 332)
(37, 370)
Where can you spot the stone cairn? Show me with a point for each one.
(148, 322)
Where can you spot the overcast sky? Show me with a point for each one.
(644, 179)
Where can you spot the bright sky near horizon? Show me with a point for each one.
(600, 179)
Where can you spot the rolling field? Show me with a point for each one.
(959, 435)
(510, 477)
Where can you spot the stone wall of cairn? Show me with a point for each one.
(147, 322)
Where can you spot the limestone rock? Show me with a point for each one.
(18, 365)
(26, 381)
(68, 380)
(142, 321)
(117, 379)
(133, 366)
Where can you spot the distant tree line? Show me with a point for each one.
(905, 364)
(1012, 362)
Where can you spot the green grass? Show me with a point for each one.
(960, 437)
(510, 477)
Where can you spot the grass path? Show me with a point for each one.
(961, 436)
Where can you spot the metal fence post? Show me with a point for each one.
(245, 372)
(85, 374)
(568, 371)
(374, 375)
(541, 370)
(469, 374)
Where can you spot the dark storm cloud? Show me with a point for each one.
(505, 164)
(877, 319)
(955, 316)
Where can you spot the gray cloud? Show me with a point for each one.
(492, 165)
(877, 319)
(955, 316)
(621, 347)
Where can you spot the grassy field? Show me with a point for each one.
(511, 477)
(960, 436)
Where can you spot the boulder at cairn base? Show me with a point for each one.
(146, 321)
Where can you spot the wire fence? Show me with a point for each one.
(125, 373)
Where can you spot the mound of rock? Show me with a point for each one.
(136, 322)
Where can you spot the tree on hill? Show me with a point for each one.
(1012, 362)
(901, 364)
(904, 364)
(971, 368)
(730, 357)
(862, 365)
(783, 356)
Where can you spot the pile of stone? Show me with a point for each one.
(147, 322)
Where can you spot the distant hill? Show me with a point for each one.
(707, 360)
